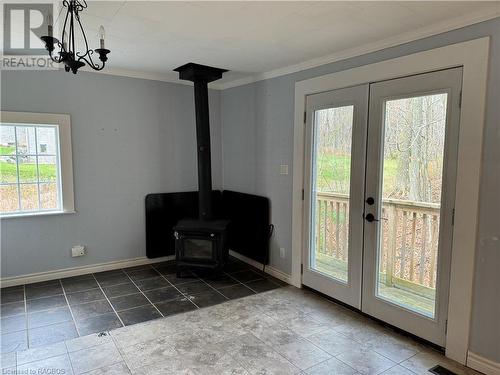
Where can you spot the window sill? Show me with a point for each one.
(35, 214)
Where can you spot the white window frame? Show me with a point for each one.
(65, 159)
(473, 56)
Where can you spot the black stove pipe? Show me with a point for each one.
(201, 75)
(204, 154)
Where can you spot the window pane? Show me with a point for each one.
(9, 198)
(8, 169)
(29, 165)
(29, 197)
(26, 140)
(48, 196)
(331, 184)
(7, 140)
(46, 139)
(27, 168)
(411, 196)
(47, 168)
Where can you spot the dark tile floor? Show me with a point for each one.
(51, 311)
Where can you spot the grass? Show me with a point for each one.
(335, 168)
(27, 172)
(7, 150)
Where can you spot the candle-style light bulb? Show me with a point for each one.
(50, 24)
(101, 36)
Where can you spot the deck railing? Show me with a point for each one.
(409, 238)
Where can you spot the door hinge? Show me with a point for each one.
(301, 269)
(302, 194)
(305, 117)
(446, 327)
(460, 100)
(453, 217)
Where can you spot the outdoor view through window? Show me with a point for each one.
(29, 172)
(411, 194)
(413, 154)
(331, 184)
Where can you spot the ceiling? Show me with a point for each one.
(252, 39)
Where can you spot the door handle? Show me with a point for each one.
(370, 218)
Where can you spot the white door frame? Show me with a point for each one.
(448, 82)
(473, 57)
(348, 292)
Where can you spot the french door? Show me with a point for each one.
(379, 195)
(334, 192)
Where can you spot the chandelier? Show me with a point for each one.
(66, 51)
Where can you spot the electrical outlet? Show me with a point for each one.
(78, 251)
(284, 169)
(282, 252)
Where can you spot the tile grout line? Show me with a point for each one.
(215, 289)
(69, 307)
(69, 357)
(373, 350)
(326, 360)
(107, 299)
(277, 352)
(145, 296)
(26, 317)
(183, 294)
(390, 360)
(234, 278)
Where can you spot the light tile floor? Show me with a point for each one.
(283, 331)
(40, 314)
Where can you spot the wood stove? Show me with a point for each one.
(202, 242)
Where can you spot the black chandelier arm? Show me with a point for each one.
(51, 44)
(71, 37)
(80, 5)
(65, 23)
(67, 49)
(91, 63)
(85, 40)
(60, 58)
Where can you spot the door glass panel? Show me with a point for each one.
(331, 175)
(413, 154)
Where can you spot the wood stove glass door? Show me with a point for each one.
(336, 128)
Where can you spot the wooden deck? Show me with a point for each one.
(410, 296)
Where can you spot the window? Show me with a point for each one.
(35, 164)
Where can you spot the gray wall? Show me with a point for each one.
(130, 137)
(257, 128)
(155, 137)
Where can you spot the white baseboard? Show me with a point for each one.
(76, 271)
(268, 269)
(481, 364)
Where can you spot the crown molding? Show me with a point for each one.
(439, 28)
(167, 77)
